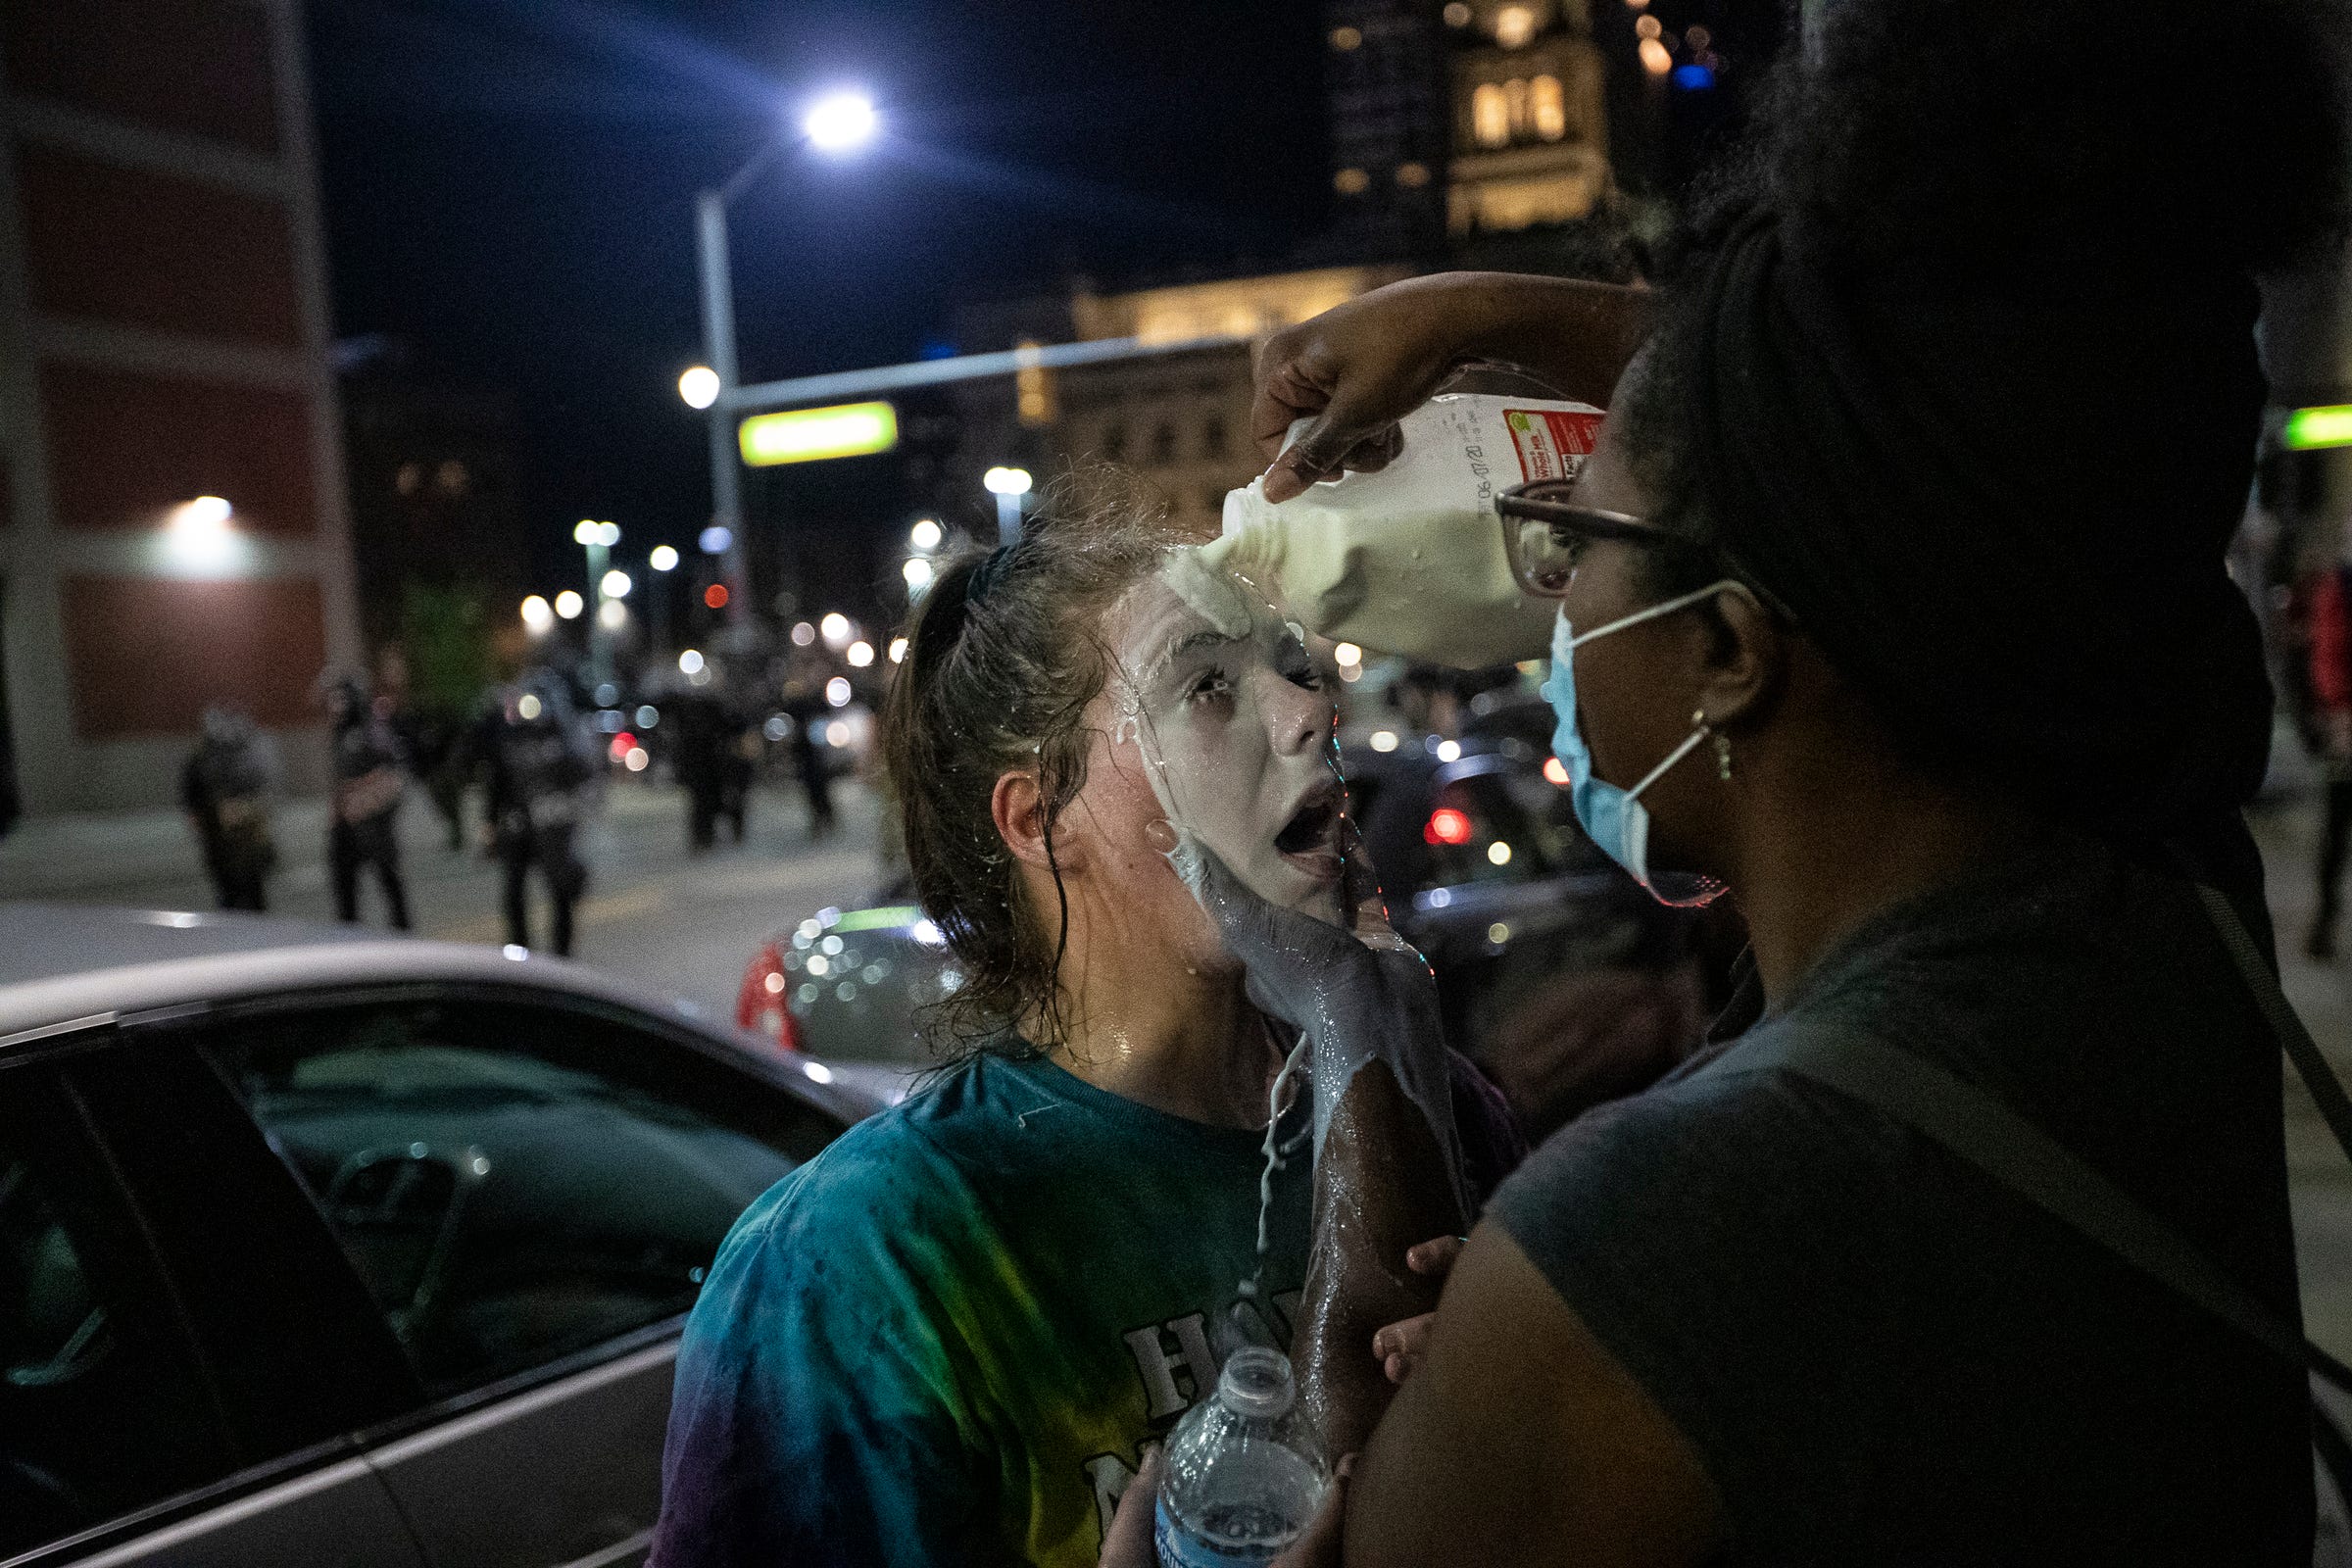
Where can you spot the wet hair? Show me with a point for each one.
(1004, 656)
(1958, 364)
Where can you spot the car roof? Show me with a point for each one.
(62, 964)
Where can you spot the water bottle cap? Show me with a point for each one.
(1257, 1384)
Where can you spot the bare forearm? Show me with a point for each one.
(1574, 334)
(1380, 1186)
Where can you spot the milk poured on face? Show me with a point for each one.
(1233, 726)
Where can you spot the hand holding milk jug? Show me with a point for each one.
(1409, 559)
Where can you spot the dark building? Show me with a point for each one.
(1386, 84)
(435, 484)
(171, 509)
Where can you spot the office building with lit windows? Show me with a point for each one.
(173, 528)
(1470, 132)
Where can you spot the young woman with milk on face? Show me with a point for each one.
(954, 1336)
(1894, 599)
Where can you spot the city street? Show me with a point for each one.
(686, 925)
(683, 924)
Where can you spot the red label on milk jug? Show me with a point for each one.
(1552, 443)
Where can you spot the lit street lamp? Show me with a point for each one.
(1007, 486)
(837, 123)
(598, 539)
(698, 386)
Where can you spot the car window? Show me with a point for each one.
(513, 1183)
(102, 1409)
(859, 996)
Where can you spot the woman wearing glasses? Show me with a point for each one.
(1894, 599)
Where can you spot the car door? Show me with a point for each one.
(532, 1191)
(177, 1384)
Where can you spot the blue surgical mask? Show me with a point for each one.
(1615, 818)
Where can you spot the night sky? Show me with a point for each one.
(508, 188)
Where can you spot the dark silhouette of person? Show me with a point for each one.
(364, 825)
(537, 768)
(224, 788)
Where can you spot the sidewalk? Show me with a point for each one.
(2318, 1176)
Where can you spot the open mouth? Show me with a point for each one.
(1311, 837)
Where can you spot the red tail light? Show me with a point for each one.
(760, 1006)
(1447, 826)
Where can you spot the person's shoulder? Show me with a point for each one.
(900, 1169)
(1718, 1132)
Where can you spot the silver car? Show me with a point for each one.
(319, 1246)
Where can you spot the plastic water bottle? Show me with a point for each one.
(1245, 1472)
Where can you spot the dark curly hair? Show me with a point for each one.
(1003, 658)
(1958, 364)
(1979, 145)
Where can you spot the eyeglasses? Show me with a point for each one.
(1544, 534)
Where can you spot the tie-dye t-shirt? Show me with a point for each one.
(946, 1339)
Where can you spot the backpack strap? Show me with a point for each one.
(2326, 1091)
(1983, 1133)
(1987, 1133)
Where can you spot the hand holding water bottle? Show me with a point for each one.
(1128, 1543)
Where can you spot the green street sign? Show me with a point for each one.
(2309, 429)
(808, 435)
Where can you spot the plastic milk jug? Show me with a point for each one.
(1409, 560)
(1245, 1472)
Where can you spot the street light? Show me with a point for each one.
(835, 629)
(1007, 486)
(925, 534)
(537, 616)
(598, 539)
(698, 386)
(836, 122)
(616, 584)
(840, 121)
(918, 574)
(662, 559)
(568, 605)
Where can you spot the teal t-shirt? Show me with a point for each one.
(949, 1336)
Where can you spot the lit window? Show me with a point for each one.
(1514, 25)
(1457, 14)
(1413, 176)
(1346, 38)
(1489, 115)
(1351, 182)
(1547, 106)
(1514, 97)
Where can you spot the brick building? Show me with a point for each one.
(162, 338)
